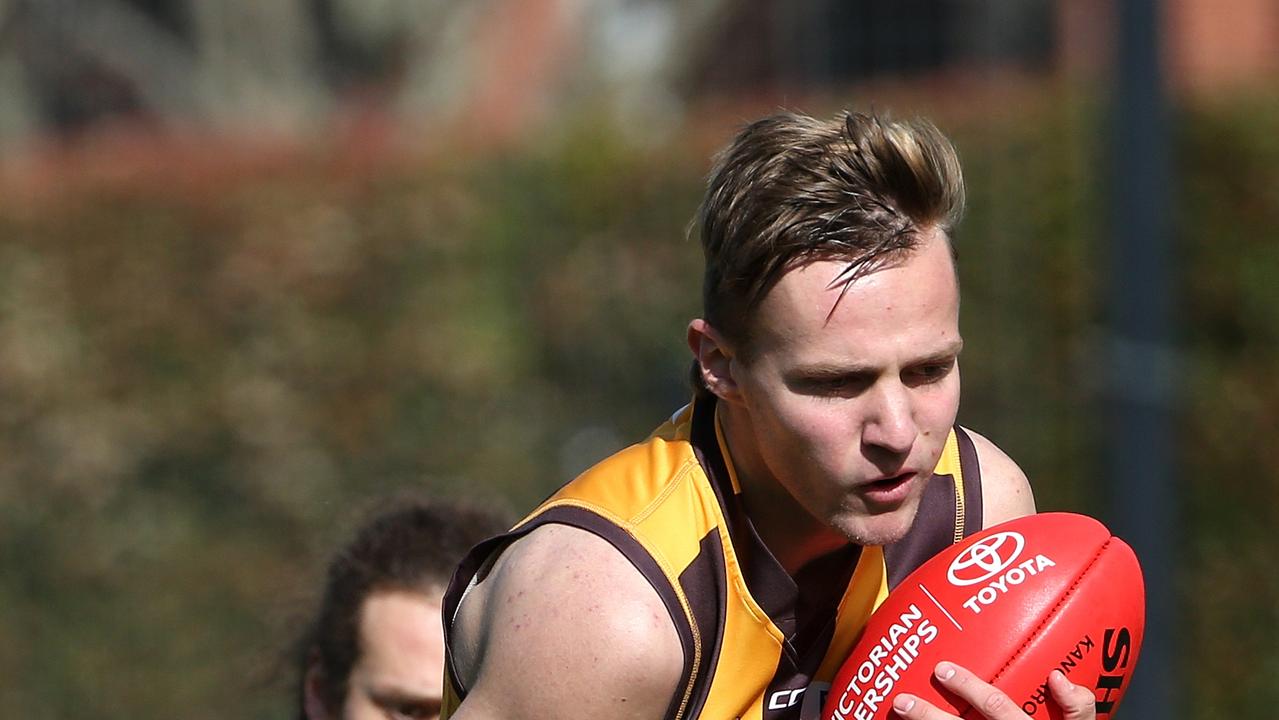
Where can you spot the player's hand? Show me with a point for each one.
(1076, 701)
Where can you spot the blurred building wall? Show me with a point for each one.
(1211, 46)
(502, 68)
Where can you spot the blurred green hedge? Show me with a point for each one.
(199, 381)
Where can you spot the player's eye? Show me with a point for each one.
(837, 386)
(413, 711)
(929, 372)
(408, 708)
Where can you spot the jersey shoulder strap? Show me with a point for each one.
(949, 511)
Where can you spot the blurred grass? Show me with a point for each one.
(200, 376)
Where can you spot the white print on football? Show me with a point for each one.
(1054, 591)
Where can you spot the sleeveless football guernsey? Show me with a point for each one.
(758, 644)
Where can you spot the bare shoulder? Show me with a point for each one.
(564, 626)
(1005, 491)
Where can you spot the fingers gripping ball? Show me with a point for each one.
(1047, 592)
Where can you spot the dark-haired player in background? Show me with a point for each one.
(723, 568)
(376, 651)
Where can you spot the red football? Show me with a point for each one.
(1011, 603)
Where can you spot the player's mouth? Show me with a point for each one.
(889, 490)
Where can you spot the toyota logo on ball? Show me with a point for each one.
(985, 559)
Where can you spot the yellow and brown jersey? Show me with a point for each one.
(758, 644)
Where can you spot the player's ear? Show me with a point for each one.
(714, 360)
(312, 694)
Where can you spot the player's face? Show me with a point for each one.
(850, 400)
(400, 671)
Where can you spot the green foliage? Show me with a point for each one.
(1228, 212)
(197, 388)
(1028, 263)
(199, 380)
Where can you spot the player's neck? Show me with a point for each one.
(789, 531)
(793, 536)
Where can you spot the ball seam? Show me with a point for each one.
(1070, 591)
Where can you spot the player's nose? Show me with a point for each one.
(890, 421)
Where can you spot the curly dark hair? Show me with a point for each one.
(412, 544)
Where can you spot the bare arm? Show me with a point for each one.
(565, 627)
(1005, 491)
